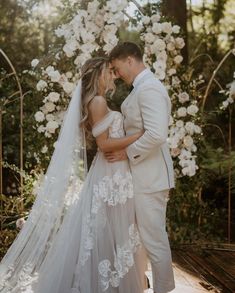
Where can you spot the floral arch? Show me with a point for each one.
(94, 28)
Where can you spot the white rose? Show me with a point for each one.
(166, 27)
(155, 18)
(68, 51)
(225, 104)
(178, 59)
(192, 110)
(51, 127)
(183, 97)
(160, 74)
(175, 80)
(50, 117)
(181, 132)
(197, 129)
(68, 87)
(146, 20)
(159, 65)
(53, 97)
(34, 62)
(69, 74)
(190, 127)
(54, 75)
(175, 152)
(44, 149)
(39, 116)
(47, 134)
(93, 7)
(87, 37)
(162, 56)
(173, 141)
(179, 123)
(182, 112)
(192, 167)
(189, 170)
(20, 223)
(41, 85)
(149, 38)
(41, 129)
(50, 69)
(49, 106)
(175, 29)
(99, 20)
(59, 32)
(172, 71)
(170, 46)
(179, 42)
(157, 28)
(160, 45)
(188, 141)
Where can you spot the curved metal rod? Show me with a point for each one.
(21, 119)
(212, 78)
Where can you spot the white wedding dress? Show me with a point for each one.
(96, 247)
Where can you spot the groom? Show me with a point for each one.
(147, 108)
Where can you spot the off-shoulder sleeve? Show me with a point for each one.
(103, 125)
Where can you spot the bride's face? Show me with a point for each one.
(107, 79)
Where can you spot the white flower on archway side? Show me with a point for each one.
(92, 29)
(162, 52)
(95, 28)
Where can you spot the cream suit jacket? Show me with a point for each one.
(148, 107)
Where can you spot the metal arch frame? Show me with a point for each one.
(21, 96)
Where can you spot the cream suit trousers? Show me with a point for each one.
(151, 219)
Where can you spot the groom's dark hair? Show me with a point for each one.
(124, 49)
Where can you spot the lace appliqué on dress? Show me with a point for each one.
(25, 279)
(111, 190)
(116, 128)
(124, 260)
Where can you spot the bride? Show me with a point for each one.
(81, 234)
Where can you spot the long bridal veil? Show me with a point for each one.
(54, 197)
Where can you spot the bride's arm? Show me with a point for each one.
(97, 110)
(107, 144)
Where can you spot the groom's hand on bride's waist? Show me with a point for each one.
(116, 156)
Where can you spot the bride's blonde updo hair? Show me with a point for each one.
(90, 77)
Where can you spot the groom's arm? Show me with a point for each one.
(154, 111)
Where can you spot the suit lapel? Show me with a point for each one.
(135, 89)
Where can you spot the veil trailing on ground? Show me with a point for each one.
(67, 168)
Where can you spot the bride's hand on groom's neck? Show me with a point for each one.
(116, 156)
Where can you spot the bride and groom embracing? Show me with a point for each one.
(92, 234)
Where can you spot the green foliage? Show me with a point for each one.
(14, 207)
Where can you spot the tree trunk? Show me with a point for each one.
(178, 11)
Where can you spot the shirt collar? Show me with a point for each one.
(140, 76)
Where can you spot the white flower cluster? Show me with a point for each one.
(88, 31)
(51, 113)
(91, 28)
(163, 53)
(230, 93)
(182, 145)
(163, 43)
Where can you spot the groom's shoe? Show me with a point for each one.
(147, 282)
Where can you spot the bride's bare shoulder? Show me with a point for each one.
(98, 103)
(97, 109)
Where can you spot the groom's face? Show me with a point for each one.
(122, 69)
